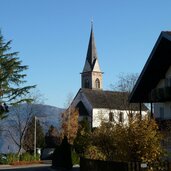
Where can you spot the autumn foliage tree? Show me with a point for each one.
(70, 123)
(138, 141)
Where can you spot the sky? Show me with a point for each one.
(52, 37)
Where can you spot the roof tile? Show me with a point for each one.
(110, 99)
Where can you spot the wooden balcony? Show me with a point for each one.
(161, 94)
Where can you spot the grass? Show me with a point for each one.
(25, 158)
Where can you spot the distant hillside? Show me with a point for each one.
(47, 115)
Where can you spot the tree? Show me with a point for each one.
(28, 141)
(11, 78)
(52, 137)
(82, 140)
(18, 121)
(139, 141)
(70, 123)
(126, 82)
(123, 87)
(69, 99)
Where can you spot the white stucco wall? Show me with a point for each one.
(103, 114)
(98, 114)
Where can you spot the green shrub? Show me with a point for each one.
(82, 140)
(75, 158)
(3, 159)
(28, 157)
(11, 158)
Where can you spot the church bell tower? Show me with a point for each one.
(91, 77)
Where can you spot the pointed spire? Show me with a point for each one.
(91, 52)
(92, 23)
(91, 77)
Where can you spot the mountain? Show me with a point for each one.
(46, 114)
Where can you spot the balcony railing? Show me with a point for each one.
(161, 94)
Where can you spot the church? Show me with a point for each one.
(96, 104)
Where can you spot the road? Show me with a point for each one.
(33, 168)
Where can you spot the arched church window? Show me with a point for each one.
(111, 117)
(97, 82)
(86, 84)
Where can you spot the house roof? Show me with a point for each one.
(110, 100)
(154, 70)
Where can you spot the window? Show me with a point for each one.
(161, 113)
(121, 117)
(97, 83)
(111, 117)
(86, 84)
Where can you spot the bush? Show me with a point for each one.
(82, 140)
(3, 159)
(75, 158)
(138, 141)
(94, 153)
(27, 157)
(11, 158)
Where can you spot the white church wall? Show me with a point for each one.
(103, 115)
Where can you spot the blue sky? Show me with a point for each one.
(52, 38)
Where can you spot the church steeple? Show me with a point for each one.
(91, 75)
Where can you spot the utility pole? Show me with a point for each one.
(35, 136)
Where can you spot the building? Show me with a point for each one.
(92, 101)
(154, 84)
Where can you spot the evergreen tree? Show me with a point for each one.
(52, 138)
(82, 140)
(28, 142)
(11, 78)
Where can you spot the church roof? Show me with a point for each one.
(154, 70)
(91, 62)
(110, 100)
